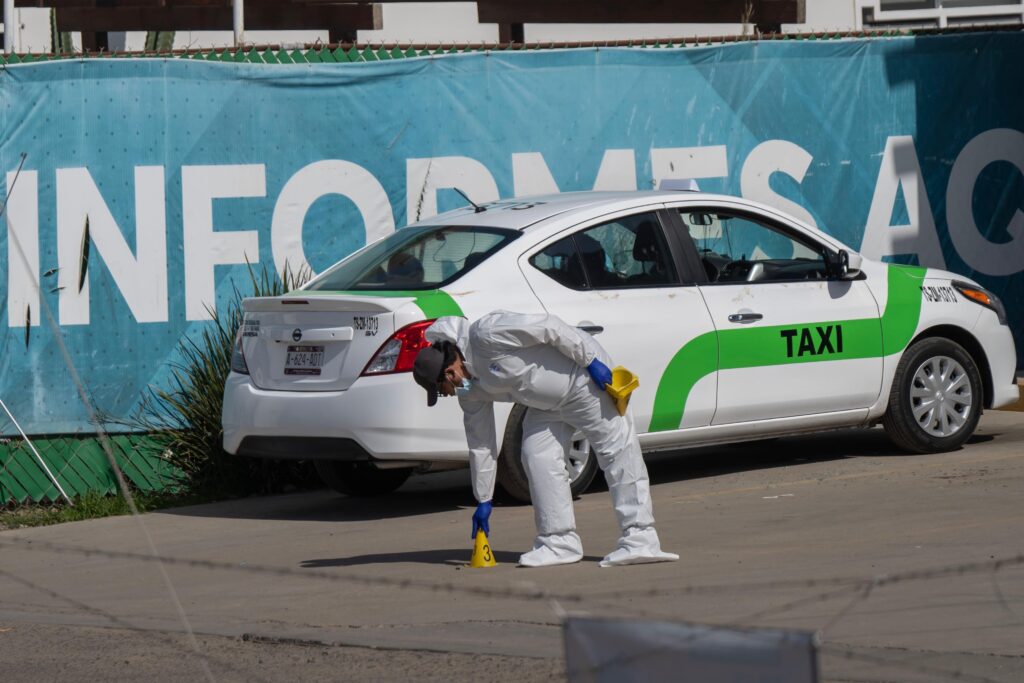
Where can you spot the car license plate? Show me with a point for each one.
(304, 360)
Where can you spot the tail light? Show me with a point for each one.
(399, 352)
(238, 363)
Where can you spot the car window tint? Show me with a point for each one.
(414, 258)
(735, 248)
(627, 252)
(561, 262)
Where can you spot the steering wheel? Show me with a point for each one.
(711, 270)
(733, 270)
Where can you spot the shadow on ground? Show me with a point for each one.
(442, 493)
(713, 461)
(456, 556)
(449, 491)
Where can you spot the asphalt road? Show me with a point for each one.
(836, 533)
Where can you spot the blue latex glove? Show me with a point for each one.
(481, 518)
(600, 373)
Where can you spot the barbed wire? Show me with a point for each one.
(862, 589)
(532, 591)
(128, 626)
(844, 651)
(835, 649)
(101, 433)
(847, 652)
(998, 591)
(655, 592)
(863, 592)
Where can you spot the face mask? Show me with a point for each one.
(463, 389)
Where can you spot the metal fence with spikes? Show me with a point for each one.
(28, 467)
(348, 53)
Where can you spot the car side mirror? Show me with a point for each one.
(853, 265)
(844, 266)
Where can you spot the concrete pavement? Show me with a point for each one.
(773, 534)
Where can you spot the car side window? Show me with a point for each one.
(735, 248)
(627, 252)
(561, 262)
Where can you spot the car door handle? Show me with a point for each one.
(591, 329)
(744, 317)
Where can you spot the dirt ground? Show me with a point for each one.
(906, 568)
(85, 653)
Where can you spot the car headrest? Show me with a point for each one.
(645, 248)
(591, 252)
(594, 260)
(405, 267)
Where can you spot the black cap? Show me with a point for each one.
(429, 367)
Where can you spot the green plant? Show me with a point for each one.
(159, 41)
(91, 505)
(184, 418)
(60, 41)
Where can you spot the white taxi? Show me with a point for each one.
(741, 322)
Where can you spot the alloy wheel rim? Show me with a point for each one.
(576, 456)
(940, 396)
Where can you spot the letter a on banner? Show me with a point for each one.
(901, 170)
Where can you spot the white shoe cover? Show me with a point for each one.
(553, 549)
(638, 546)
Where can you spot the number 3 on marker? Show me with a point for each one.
(487, 553)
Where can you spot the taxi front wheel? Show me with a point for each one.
(360, 479)
(936, 397)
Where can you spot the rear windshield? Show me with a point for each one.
(414, 258)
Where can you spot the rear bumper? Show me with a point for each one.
(385, 417)
(302, 447)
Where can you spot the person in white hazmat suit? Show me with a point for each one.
(546, 365)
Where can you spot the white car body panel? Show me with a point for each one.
(996, 339)
(644, 330)
(749, 431)
(635, 325)
(810, 387)
(438, 431)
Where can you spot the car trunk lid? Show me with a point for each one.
(315, 343)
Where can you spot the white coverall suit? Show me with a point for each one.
(540, 362)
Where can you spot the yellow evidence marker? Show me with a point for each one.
(623, 384)
(482, 555)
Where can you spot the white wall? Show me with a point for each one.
(431, 22)
(826, 15)
(32, 29)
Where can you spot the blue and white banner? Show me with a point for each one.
(906, 148)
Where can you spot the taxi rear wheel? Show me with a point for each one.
(360, 479)
(580, 461)
(936, 397)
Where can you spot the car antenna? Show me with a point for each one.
(476, 207)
